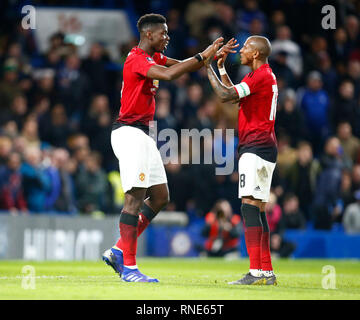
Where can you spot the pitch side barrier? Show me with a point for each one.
(60, 237)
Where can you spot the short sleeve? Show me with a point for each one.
(142, 64)
(251, 80)
(248, 85)
(159, 58)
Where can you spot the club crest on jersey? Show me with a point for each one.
(155, 86)
(142, 176)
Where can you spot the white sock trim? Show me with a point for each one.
(131, 267)
(256, 272)
(268, 273)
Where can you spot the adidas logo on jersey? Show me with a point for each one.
(257, 188)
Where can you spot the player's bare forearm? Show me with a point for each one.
(170, 62)
(178, 68)
(174, 71)
(225, 93)
(225, 79)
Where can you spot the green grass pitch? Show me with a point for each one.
(180, 279)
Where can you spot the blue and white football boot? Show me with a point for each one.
(114, 258)
(134, 275)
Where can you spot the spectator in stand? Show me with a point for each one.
(289, 118)
(5, 149)
(282, 70)
(351, 218)
(56, 43)
(283, 43)
(277, 19)
(97, 126)
(301, 177)
(256, 27)
(90, 185)
(163, 115)
(35, 180)
(249, 11)
(352, 29)
(54, 179)
(195, 15)
(11, 188)
(19, 110)
(345, 105)
(192, 103)
(318, 46)
(279, 247)
(315, 105)
(349, 143)
(9, 87)
(286, 154)
(339, 48)
(273, 212)
(30, 132)
(328, 72)
(9, 129)
(346, 193)
(73, 88)
(222, 230)
(178, 178)
(44, 86)
(65, 201)
(178, 31)
(205, 115)
(355, 177)
(327, 203)
(52, 60)
(356, 129)
(292, 217)
(94, 66)
(54, 127)
(353, 74)
(226, 14)
(77, 141)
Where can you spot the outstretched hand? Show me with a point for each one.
(209, 53)
(225, 50)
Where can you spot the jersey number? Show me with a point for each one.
(274, 102)
(242, 180)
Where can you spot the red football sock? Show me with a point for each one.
(128, 233)
(265, 245)
(265, 252)
(253, 232)
(142, 225)
(253, 245)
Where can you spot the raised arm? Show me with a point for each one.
(176, 69)
(225, 50)
(225, 93)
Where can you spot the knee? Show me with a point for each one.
(132, 206)
(160, 202)
(163, 201)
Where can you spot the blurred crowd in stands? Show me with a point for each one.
(56, 111)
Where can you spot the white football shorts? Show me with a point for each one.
(140, 162)
(255, 175)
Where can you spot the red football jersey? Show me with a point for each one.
(138, 91)
(256, 119)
